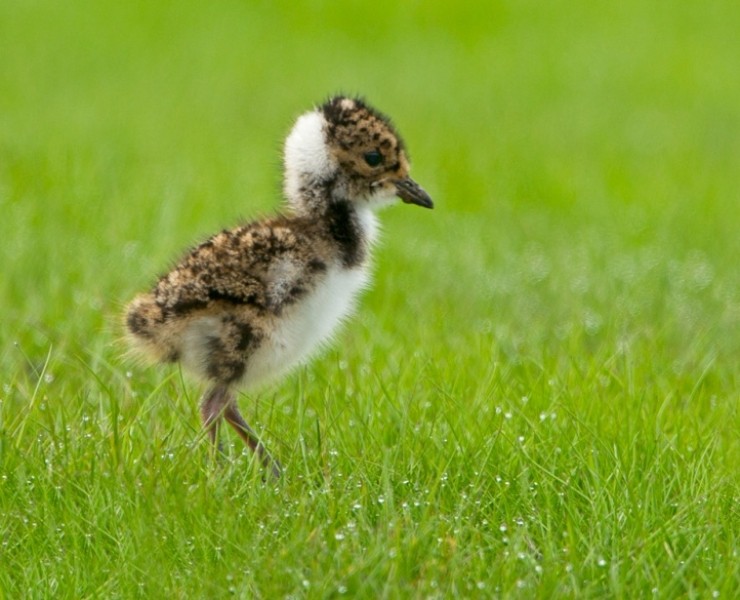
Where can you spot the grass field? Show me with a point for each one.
(539, 396)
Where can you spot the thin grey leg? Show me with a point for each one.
(235, 419)
(212, 410)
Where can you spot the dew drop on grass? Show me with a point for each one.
(339, 536)
(502, 528)
(601, 562)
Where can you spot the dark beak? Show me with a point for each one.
(411, 193)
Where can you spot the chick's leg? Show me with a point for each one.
(212, 409)
(234, 418)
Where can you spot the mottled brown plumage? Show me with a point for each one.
(249, 303)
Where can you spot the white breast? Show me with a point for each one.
(304, 327)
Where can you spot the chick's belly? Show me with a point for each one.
(304, 328)
(286, 347)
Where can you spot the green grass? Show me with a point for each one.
(538, 397)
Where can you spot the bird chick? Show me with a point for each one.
(250, 303)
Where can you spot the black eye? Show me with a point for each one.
(373, 158)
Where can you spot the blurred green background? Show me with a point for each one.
(598, 139)
(583, 254)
